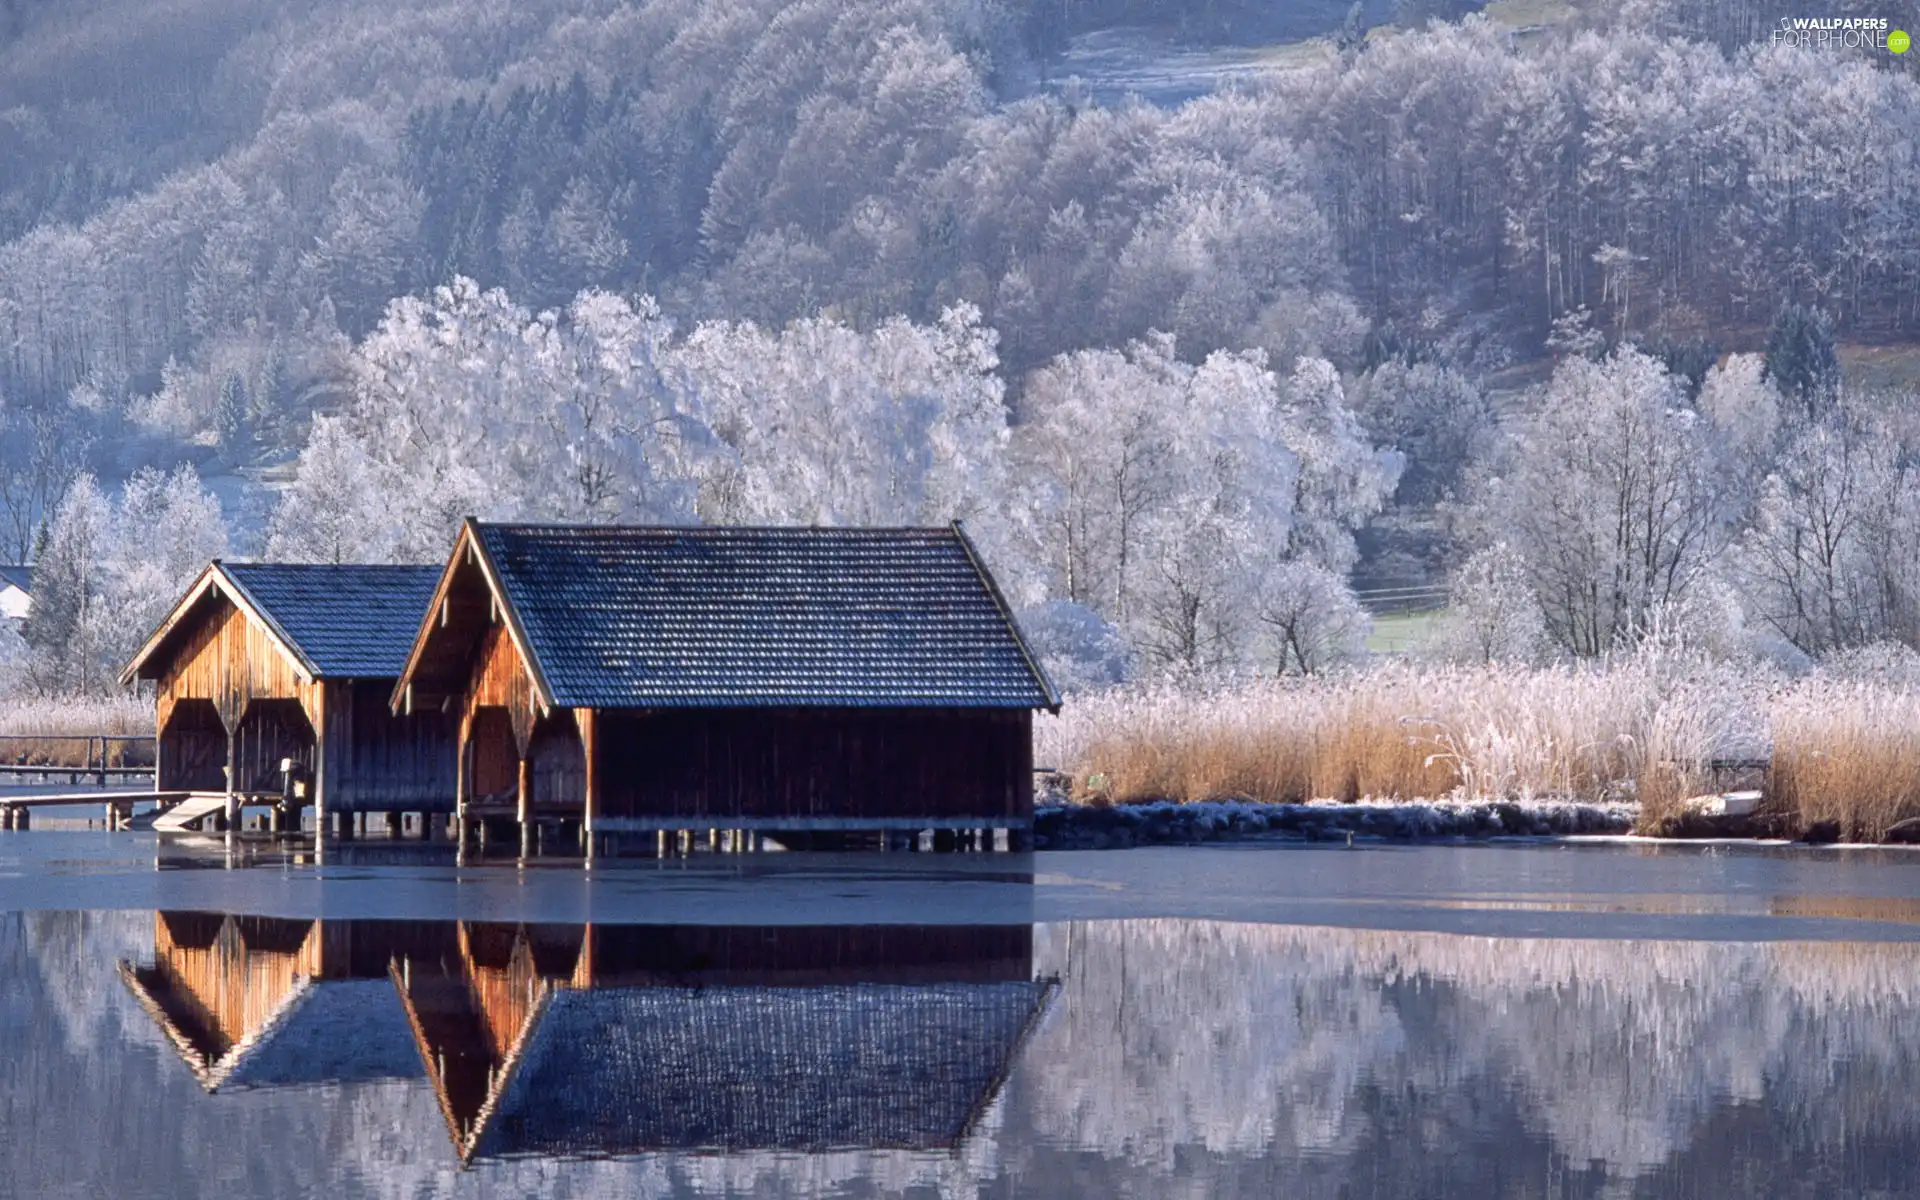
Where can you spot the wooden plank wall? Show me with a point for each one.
(229, 660)
(271, 730)
(500, 679)
(496, 762)
(379, 762)
(236, 981)
(846, 763)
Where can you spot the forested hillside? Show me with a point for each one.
(877, 260)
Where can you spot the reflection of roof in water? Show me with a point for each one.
(340, 1031)
(320, 1031)
(264, 1001)
(628, 1070)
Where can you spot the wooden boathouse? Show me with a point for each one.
(667, 681)
(261, 665)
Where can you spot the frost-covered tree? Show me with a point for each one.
(14, 658)
(165, 529)
(1745, 410)
(1491, 613)
(825, 424)
(63, 633)
(111, 571)
(1311, 618)
(1079, 649)
(1802, 360)
(1436, 416)
(42, 448)
(467, 404)
(333, 511)
(1609, 492)
(1162, 491)
(1830, 559)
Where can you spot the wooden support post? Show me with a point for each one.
(524, 806)
(590, 800)
(322, 782)
(23, 819)
(462, 771)
(395, 824)
(233, 770)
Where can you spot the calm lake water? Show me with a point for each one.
(1499, 1020)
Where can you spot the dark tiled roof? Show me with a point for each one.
(710, 617)
(628, 1070)
(354, 621)
(20, 577)
(337, 1031)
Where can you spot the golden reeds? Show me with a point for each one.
(66, 723)
(1651, 727)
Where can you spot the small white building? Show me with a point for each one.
(16, 592)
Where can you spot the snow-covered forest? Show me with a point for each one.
(1549, 318)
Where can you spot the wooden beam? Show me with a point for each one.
(589, 750)
(523, 794)
(323, 738)
(463, 770)
(233, 785)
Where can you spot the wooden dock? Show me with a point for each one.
(16, 812)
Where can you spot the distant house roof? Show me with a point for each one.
(17, 576)
(638, 617)
(353, 621)
(630, 1070)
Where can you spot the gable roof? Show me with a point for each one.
(16, 576)
(348, 620)
(351, 620)
(661, 617)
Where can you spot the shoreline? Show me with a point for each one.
(1174, 823)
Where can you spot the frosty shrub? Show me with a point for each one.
(1312, 618)
(1079, 649)
(1491, 615)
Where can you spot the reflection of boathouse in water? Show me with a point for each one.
(567, 1040)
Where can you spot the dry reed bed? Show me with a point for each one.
(1646, 728)
(71, 721)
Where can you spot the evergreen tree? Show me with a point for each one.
(230, 413)
(1801, 358)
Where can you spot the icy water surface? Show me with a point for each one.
(190, 1018)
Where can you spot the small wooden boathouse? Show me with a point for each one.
(797, 680)
(266, 664)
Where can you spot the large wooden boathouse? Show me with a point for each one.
(673, 680)
(262, 665)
